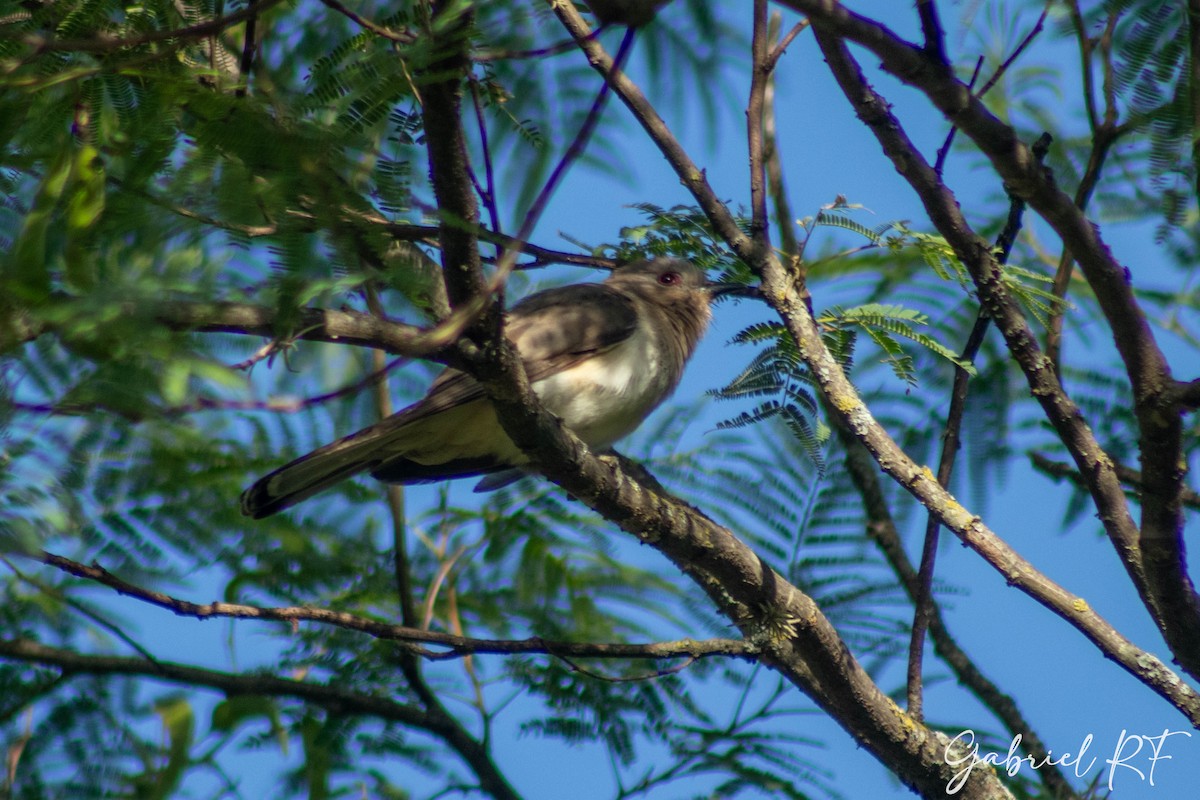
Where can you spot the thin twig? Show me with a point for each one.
(394, 493)
(278, 405)
(690, 175)
(248, 46)
(103, 42)
(646, 676)
(944, 151)
(759, 76)
(1105, 134)
(776, 185)
(400, 37)
(456, 646)
(573, 152)
(484, 56)
(992, 81)
(488, 191)
(61, 596)
(782, 45)
(1016, 53)
(951, 438)
(1085, 59)
(402, 231)
(1128, 475)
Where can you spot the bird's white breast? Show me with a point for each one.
(606, 397)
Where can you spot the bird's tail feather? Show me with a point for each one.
(315, 472)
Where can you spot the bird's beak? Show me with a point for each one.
(716, 290)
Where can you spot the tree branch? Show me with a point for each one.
(689, 174)
(1105, 134)
(441, 105)
(1157, 548)
(1187, 395)
(456, 646)
(780, 47)
(333, 699)
(1193, 17)
(400, 37)
(881, 527)
(931, 29)
(923, 485)
(950, 445)
(1128, 475)
(104, 42)
(782, 292)
(773, 163)
(760, 76)
(1169, 588)
(311, 324)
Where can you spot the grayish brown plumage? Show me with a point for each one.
(600, 356)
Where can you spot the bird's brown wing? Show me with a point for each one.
(552, 331)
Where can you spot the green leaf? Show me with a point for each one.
(84, 207)
(29, 273)
(178, 722)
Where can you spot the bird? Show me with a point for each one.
(599, 356)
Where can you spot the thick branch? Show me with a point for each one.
(1187, 395)
(441, 106)
(795, 638)
(803, 646)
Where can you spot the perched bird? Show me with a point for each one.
(600, 356)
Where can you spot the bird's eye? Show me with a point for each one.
(669, 278)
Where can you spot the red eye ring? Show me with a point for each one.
(669, 278)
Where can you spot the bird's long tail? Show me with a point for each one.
(317, 471)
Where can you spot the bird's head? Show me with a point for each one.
(674, 280)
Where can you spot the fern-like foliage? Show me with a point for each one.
(1151, 69)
